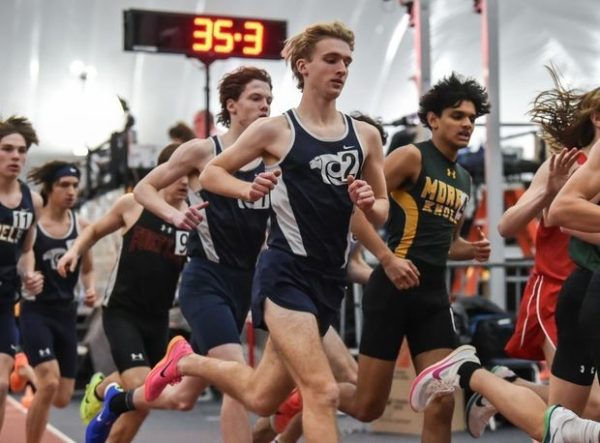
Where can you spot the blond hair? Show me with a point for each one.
(303, 45)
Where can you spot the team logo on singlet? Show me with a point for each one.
(53, 256)
(22, 220)
(335, 168)
(263, 203)
(443, 200)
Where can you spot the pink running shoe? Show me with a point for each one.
(165, 372)
(440, 378)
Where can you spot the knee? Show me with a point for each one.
(592, 408)
(262, 406)
(441, 408)
(369, 411)
(347, 375)
(61, 402)
(47, 387)
(325, 395)
(182, 402)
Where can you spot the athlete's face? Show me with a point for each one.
(13, 152)
(327, 70)
(64, 192)
(455, 125)
(177, 190)
(254, 102)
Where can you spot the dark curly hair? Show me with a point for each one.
(19, 125)
(450, 92)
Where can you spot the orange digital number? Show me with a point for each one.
(254, 37)
(222, 33)
(203, 34)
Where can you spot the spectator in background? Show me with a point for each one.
(200, 124)
(180, 133)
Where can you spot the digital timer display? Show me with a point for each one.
(206, 37)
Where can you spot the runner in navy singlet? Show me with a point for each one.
(18, 208)
(225, 239)
(316, 158)
(48, 320)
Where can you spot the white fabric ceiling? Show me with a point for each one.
(39, 39)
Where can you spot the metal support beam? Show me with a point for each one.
(493, 153)
(421, 12)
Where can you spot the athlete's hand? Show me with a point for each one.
(190, 218)
(33, 282)
(361, 193)
(90, 297)
(481, 248)
(262, 184)
(561, 168)
(67, 263)
(402, 272)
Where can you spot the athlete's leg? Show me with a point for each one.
(6, 364)
(294, 345)
(235, 423)
(343, 365)
(384, 328)
(63, 396)
(519, 405)
(345, 370)
(8, 343)
(127, 425)
(295, 336)
(438, 414)
(48, 377)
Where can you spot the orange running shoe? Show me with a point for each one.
(286, 411)
(17, 381)
(27, 397)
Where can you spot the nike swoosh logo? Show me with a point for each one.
(479, 401)
(436, 373)
(348, 147)
(162, 371)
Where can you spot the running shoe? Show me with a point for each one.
(165, 372)
(90, 403)
(286, 411)
(562, 425)
(98, 429)
(17, 381)
(440, 378)
(479, 412)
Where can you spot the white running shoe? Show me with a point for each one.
(440, 378)
(479, 412)
(564, 426)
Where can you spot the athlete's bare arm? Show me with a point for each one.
(87, 276)
(370, 195)
(266, 138)
(572, 208)
(32, 280)
(547, 181)
(122, 215)
(402, 166)
(589, 237)
(187, 160)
